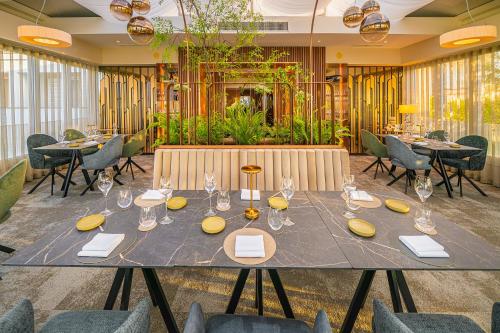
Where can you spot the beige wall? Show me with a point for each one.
(133, 55)
(363, 55)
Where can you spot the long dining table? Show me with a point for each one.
(319, 239)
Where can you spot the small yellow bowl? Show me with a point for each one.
(277, 203)
(396, 205)
(90, 222)
(361, 227)
(177, 203)
(213, 224)
(455, 145)
(418, 139)
(74, 145)
(79, 140)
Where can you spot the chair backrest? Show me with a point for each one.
(37, 160)
(11, 186)
(110, 152)
(478, 160)
(436, 135)
(139, 319)
(384, 321)
(400, 151)
(372, 145)
(73, 134)
(312, 169)
(136, 143)
(20, 319)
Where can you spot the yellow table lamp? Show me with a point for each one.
(407, 110)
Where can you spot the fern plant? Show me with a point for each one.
(243, 125)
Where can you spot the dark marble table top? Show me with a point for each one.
(319, 239)
(430, 144)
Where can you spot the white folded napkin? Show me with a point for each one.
(91, 143)
(424, 246)
(245, 194)
(361, 196)
(101, 245)
(152, 195)
(249, 246)
(449, 142)
(65, 142)
(420, 143)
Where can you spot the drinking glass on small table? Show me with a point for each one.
(210, 184)
(166, 189)
(349, 187)
(105, 183)
(287, 190)
(423, 222)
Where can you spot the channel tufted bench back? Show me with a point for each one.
(318, 168)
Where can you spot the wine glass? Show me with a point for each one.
(105, 183)
(349, 186)
(124, 198)
(166, 189)
(287, 190)
(423, 187)
(147, 217)
(223, 200)
(61, 137)
(446, 136)
(275, 219)
(210, 184)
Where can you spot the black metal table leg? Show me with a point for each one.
(151, 293)
(6, 249)
(357, 301)
(444, 174)
(85, 172)
(259, 302)
(69, 174)
(115, 289)
(280, 291)
(161, 299)
(393, 288)
(405, 292)
(127, 284)
(238, 289)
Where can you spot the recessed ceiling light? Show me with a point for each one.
(43, 36)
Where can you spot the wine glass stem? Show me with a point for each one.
(166, 208)
(106, 202)
(210, 199)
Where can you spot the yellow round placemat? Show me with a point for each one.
(455, 145)
(79, 140)
(177, 203)
(366, 204)
(213, 224)
(140, 202)
(277, 203)
(90, 222)
(396, 205)
(73, 145)
(361, 227)
(269, 246)
(418, 139)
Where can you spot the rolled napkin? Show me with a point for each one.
(152, 195)
(424, 246)
(245, 194)
(361, 196)
(101, 245)
(249, 246)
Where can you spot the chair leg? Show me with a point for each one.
(474, 184)
(450, 177)
(391, 172)
(39, 183)
(369, 167)
(376, 170)
(137, 165)
(6, 249)
(385, 166)
(397, 178)
(132, 171)
(115, 167)
(62, 176)
(52, 181)
(89, 186)
(407, 180)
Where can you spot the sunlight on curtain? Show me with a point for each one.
(41, 94)
(461, 95)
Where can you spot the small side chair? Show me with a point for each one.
(107, 157)
(21, 319)
(402, 156)
(134, 147)
(385, 321)
(372, 146)
(229, 323)
(40, 161)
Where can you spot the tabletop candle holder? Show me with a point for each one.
(251, 213)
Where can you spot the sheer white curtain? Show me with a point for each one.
(461, 95)
(41, 94)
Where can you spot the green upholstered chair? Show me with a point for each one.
(229, 323)
(372, 146)
(467, 160)
(402, 156)
(134, 147)
(20, 319)
(41, 161)
(385, 321)
(72, 134)
(436, 135)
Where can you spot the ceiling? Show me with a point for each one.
(447, 8)
(58, 8)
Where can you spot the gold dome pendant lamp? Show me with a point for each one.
(140, 30)
(373, 25)
(468, 36)
(43, 36)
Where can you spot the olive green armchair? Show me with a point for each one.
(372, 146)
(11, 187)
(134, 147)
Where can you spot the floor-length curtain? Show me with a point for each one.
(460, 94)
(41, 94)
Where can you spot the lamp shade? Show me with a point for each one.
(43, 36)
(468, 36)
(407, 108)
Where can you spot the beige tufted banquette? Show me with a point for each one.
(318, 168)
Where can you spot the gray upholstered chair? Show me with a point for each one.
(21, 320)
(107, 157)
(467, 160)
(385, 321)
(134, 147)
(373, 146)
(40, 161)
(402, 156)
(228, 323)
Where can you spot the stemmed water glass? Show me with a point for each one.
(105, 183)
(423, 187)
(124, 198)
(166, 189)
(349, 186)
(287, 190)
(210, 184)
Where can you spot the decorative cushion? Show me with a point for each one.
(18, 320)
(254, 324)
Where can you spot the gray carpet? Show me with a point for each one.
(53, 290)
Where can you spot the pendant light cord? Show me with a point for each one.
(40, 13)
(468, 10)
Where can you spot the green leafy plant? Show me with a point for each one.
(201, 127)
(243, 125)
